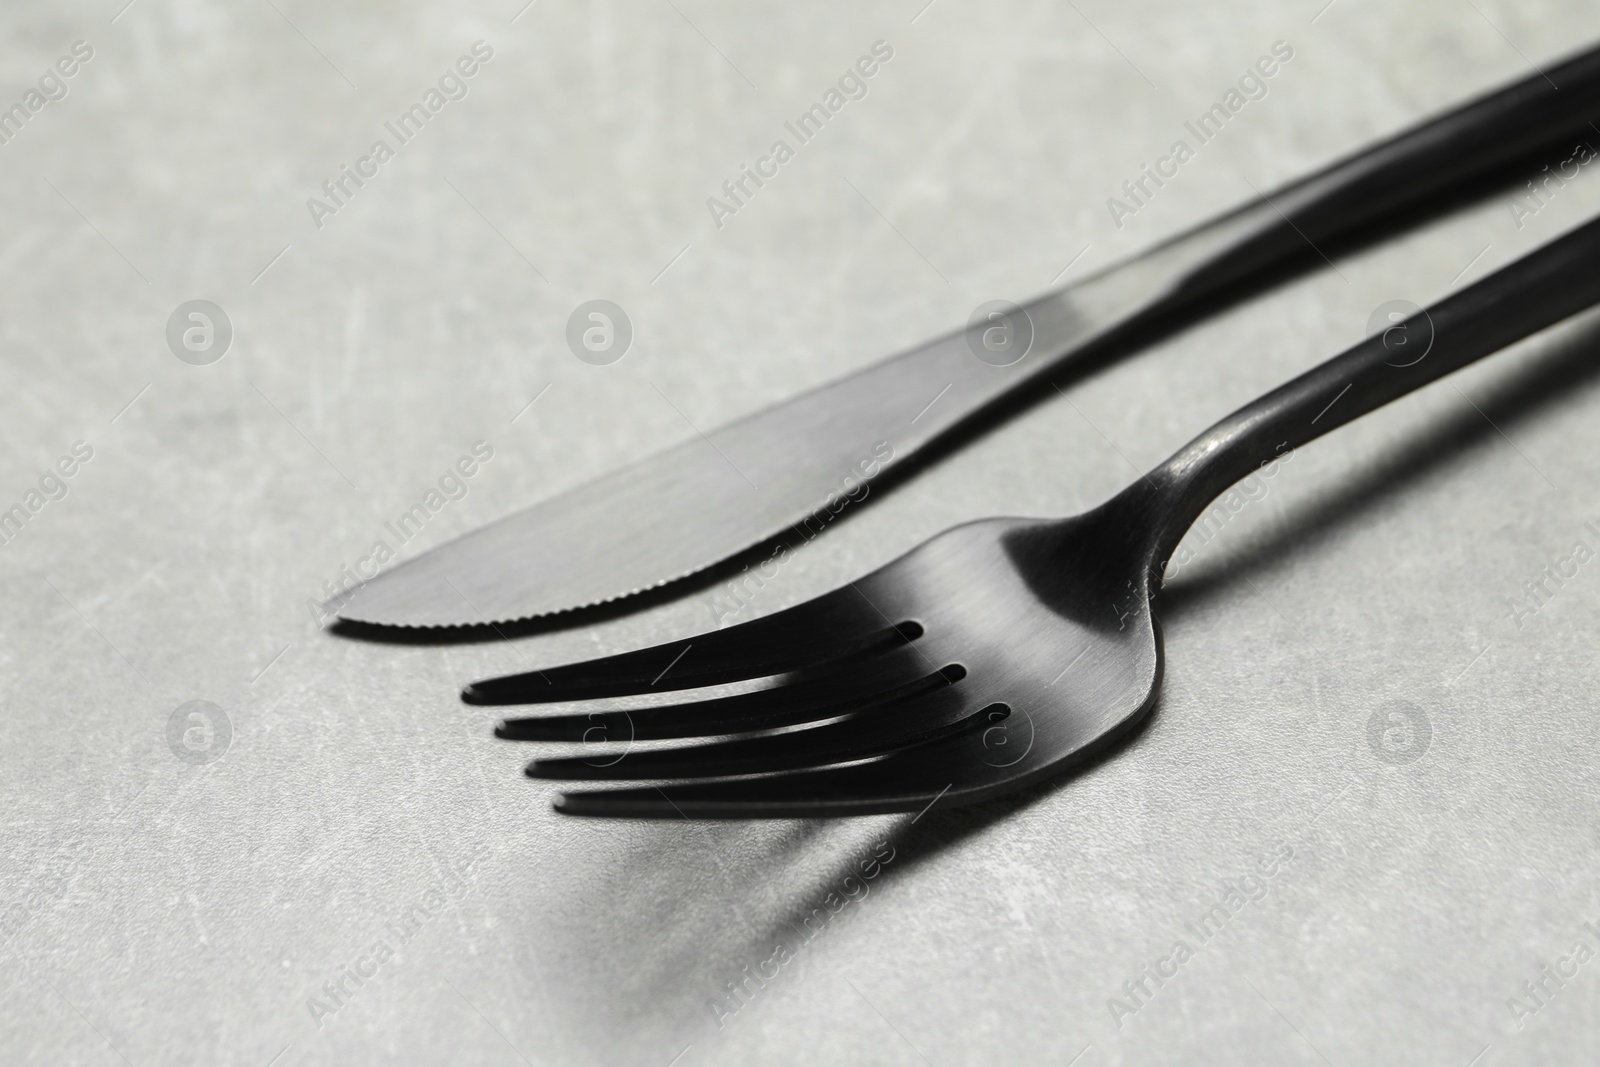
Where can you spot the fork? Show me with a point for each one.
(1000, 651)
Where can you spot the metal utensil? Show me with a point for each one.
(712, 497)
(1001, 650)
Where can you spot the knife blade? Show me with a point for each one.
(718, 494)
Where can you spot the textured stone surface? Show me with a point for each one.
(165, 911)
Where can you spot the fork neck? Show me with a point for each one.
(1544, 287)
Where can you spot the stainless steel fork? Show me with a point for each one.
(1000, 651)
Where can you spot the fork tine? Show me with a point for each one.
(949, 770)
(856, 687)
(831, 626)
(913, 718)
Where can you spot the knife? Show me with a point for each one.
(713, 496)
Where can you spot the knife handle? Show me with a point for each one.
(910, 400)
(1440, 159)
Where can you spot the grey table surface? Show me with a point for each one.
(345, 811)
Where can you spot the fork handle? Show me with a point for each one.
(1548, 285)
